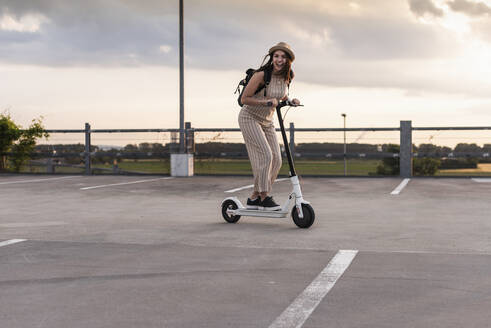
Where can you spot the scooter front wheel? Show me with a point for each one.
(308, 216)
(229, 205)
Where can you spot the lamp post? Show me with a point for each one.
(344, 148)
(181, 77)
(181, 163)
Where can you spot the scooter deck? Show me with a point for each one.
(261, 213)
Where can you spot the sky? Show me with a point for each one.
(114, 63)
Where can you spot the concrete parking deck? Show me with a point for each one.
(117, 251)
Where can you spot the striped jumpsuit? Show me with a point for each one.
(256, 124)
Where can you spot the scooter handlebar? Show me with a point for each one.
(287, 103)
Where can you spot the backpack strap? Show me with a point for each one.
(238, 87)
(288, 84)
(267, 78)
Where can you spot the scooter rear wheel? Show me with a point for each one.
(229, 205)
(308, 216)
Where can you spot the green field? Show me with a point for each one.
(355, 167)
(243, 166)
(302, 166)
(227, 166)
(483, 169)
(43, 169)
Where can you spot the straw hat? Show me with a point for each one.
(285, 47)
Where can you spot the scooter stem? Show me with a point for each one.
(285, 141)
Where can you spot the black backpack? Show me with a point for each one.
(249, 73)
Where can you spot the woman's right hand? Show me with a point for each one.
(273, 102)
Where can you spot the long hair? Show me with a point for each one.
(286, 72)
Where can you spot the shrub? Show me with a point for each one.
(459, 163)
(389, 165)
(16, 144)
(425, 166)
(421, 166)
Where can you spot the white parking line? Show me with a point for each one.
(123, 183)
(302, 307)
(11, 241)
(400, 187)
(483, 180)
(251, 186)
(36, 180)
(31, 224)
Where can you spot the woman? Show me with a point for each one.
(256, 122)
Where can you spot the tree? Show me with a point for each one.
(433, 150)
(9, 132)
(130, 148)
(145, 147)
(426, 166)
(389, 165)
(421, 166)
(17, 144)
(467, 148)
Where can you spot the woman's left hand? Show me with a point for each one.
(295, 101)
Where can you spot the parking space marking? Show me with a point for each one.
(400, 187)
(482, 180)
(36, 180)
(124, 183)
(302, 307)
(251, 186)
(31, 224)
(11, 241)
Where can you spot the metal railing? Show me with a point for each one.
(405, 154)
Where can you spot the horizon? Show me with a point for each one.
(437, 138)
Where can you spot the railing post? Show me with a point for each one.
(292, 139)
(406, 150)
(182, 164)
(189, 138)
(87, 149)
(50, 166)
(115, 166)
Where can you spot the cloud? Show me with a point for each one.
(387, 39)
(469, 7)
(165, 48)
(27, 23)
(423, 7)
(218, 33)
(91, 32)
(349, 44)
(482, 28)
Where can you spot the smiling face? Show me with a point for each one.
(279, 61)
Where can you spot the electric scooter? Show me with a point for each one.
(302, 212)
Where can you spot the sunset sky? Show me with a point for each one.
(114, 63)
